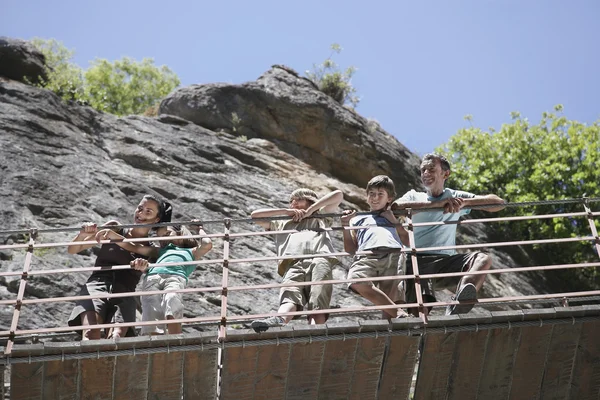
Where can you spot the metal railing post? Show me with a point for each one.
(590, 218)
(21, 293)
(415, 265)
(226, 245)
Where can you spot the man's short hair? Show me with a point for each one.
(304, 194)
(434, 156)
(384, 182)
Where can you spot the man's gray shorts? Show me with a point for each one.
(436, 264)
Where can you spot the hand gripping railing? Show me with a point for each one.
(223, 319)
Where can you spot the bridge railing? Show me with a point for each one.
(223, 318)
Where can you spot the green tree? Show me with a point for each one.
(555, 159)
(123, 87)
(127, 87)
(64, 77)
(333, 81)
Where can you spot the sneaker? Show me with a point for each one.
(466, 293)
(261, 325)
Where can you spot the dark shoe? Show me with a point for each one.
(467, 293)
(261, 325)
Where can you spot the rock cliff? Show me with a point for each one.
(215, 151)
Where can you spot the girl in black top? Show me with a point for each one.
(151, 210)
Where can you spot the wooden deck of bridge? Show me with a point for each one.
(530, 354)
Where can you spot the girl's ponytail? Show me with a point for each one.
(166, 211)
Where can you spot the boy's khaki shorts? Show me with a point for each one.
(377, 266)
(315, 297)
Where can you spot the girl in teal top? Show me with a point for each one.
(169, 277)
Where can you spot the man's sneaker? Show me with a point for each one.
(261, 325)
(466, 293)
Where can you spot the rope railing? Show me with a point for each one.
(223, 318)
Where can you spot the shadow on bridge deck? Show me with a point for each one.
(530, 354)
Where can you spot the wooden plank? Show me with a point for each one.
(26, 381)
(469, 353)
(97, 376)
(272, 371)
(399, 367)
(560, 361)
(304, 371)
(530, 361)
(60, 380)
(496, 374)
(200, 374)
(131, 377)
(239, 372)
(586, 374)
(166, 376)
(435, 366)
(338, 369)
(367, 368)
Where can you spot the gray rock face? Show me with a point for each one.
(61, 165)
(288, 110)
(20, 60)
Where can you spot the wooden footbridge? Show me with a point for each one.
(541, 353)
(530, 354)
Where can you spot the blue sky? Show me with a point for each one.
(422, 65)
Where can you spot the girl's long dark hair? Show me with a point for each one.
(165, 209)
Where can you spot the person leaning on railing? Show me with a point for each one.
(382, 236)
(311, 239)
(435, 169)
(150, 210)
(157, 307)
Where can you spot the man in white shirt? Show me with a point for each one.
(452, 204)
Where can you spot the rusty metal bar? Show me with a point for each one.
(226, 260)
(590, 218)
(504, 244)
(226, 244)
(267, 233)
(503, 219)
(415, 265)
(217, 319)
(200, 262)
(280, 285)
(419, 250)
(22, 284)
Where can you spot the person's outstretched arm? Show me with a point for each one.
(451, 204)
(205, 244)
(296, 215)
(132, 247)
(88, 234)
(350, 243)
(328, 203)
(402, 233)
(487, 199)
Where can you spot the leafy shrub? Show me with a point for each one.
(64, 77)
(127, 87)
(122, 87)
(334, 82)
(522, 162)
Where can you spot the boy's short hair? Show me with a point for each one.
(304, 194)
(382, 181)
(444, 163)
